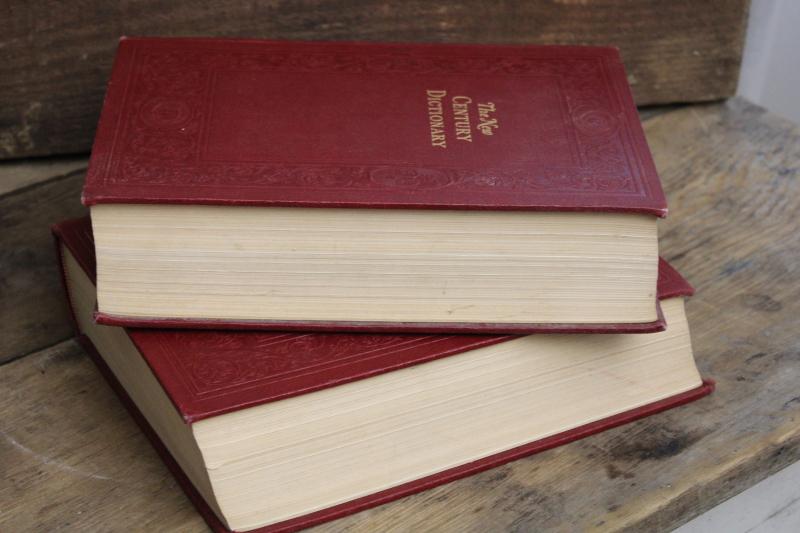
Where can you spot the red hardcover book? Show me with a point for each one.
(263, 407)
(373, 187)
(260, 123)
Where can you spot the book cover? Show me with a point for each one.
(333, 124)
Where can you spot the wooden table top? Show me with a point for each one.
(72, 459)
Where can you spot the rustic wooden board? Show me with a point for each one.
(20, 173)
(73, 460)
(57, 57)
(33, 313)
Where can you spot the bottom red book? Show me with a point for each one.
(281, 431)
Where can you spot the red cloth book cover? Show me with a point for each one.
(333, 124)
(188, 365)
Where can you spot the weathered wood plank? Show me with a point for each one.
(24, 173)
(57, 56)
(70, 457)
(33, 313)
(731, 172)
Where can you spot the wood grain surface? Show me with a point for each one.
(72, 460)
(57, 56)
(33, 313)
(19, 173)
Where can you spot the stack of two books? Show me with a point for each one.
(323, 276)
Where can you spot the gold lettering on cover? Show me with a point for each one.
(486, 123)
(436, 118)
(461, 118)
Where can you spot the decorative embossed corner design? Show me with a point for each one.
(160, 137)
(213, 364)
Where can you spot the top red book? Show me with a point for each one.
(321, 124)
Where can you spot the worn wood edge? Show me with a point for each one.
(650, 112)
(54, 482)
(41, 182)
(18, 173)
(719, 485)
(33, 353)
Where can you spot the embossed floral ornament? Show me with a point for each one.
(216, 371)
(217, 363)
(165, 113)
(596, 122)
(410, 178)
